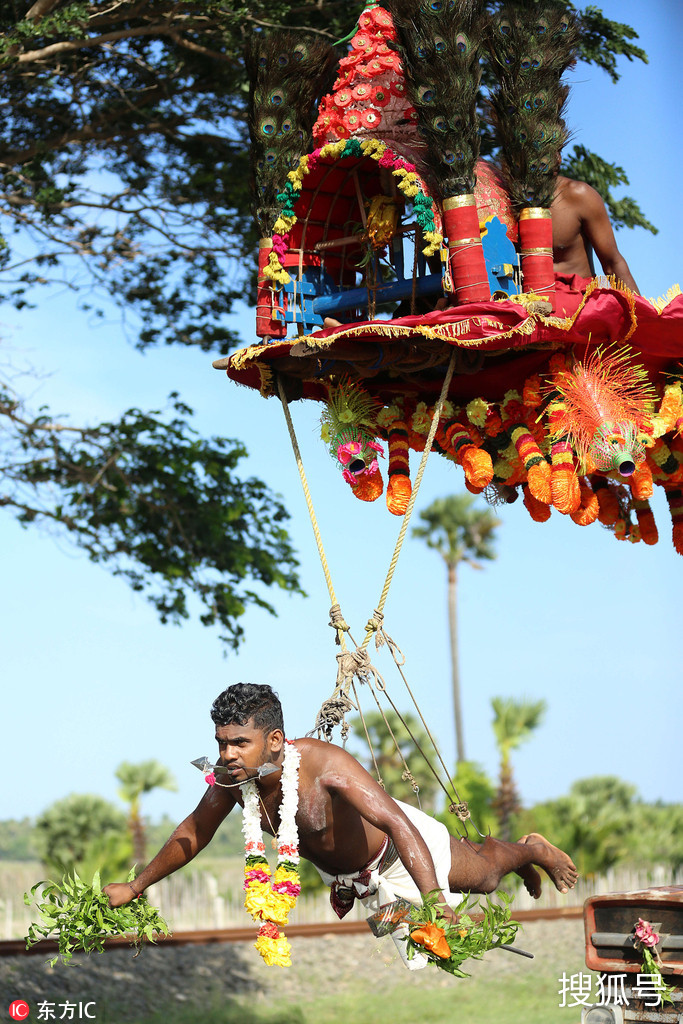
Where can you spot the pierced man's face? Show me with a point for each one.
(244, 748)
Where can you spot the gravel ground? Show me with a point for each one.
(125, 988)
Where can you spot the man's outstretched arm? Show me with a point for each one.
(190, 837)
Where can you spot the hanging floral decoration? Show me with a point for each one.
(646, 939)
(446, 944)
(407, 179)
(270, 898)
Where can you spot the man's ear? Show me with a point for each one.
(275, 741)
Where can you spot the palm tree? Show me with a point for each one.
(135, 780)
(513, 724)
(459, 533)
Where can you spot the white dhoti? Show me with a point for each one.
(385, 879)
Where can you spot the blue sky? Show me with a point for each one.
(564, 613)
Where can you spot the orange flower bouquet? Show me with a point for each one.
(447, 944)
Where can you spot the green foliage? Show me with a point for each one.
(80, 918)
(583, 165)
(410, 739)
(594, 821)
(468, 939)
(602, 41)
(125, 135)
(457, 531)
(164, 508)
(74, 831)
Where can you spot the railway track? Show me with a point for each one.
(17, 947)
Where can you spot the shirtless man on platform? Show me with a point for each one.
(346, 821)
(581, 224)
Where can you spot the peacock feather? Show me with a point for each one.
(440, 44)
(531, 43)
(286, 76)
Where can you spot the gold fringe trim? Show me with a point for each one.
(443, 332)
(663, 301)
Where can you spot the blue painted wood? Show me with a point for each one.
(502, 261)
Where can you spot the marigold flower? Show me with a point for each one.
(432, 938)
(275, 952)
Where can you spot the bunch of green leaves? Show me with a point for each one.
(468, 938)
(651, 966)
(79, 917)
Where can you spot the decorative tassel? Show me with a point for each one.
(475, 461)
(398, 488)
(674, 496)
(646, 521)
(589, 508)
(535, 464)
(368, 485)
(348, 427)
(538, 510)
(564, 483)
(641, 482)
(607, 500)
(607, 401)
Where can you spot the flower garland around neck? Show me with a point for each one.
(270, 903)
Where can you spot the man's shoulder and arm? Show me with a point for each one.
(346, 781)
(580, 219)
(188, 839)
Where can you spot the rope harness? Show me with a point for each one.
(355, 664)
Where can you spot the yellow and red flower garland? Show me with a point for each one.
(270, 903)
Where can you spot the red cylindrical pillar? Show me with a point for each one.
(266, 326)
(536, 250)
(466, 256)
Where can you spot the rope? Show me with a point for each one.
(373, 624)
(357, 662)
(336, 618)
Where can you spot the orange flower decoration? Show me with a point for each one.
(432, 938)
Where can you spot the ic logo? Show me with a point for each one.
(19, 1009)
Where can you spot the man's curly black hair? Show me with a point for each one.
(245, 702)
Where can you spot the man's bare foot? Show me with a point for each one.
(557, 865)
(331, 322)
(531, 879)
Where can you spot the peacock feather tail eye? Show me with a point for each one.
(436, 6)
(421, 51)
(525, 64)
(541, 27)
(505, 27)
(299, 52)
(462, 43)
(440, 124)
(453, 157)
(270, 156)
(439, 44)
(268, 127)
(426, 94)
(536, 61)
(540, 100)
(287, 126)
(564, 24)
(283, 59)
(276, 98)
